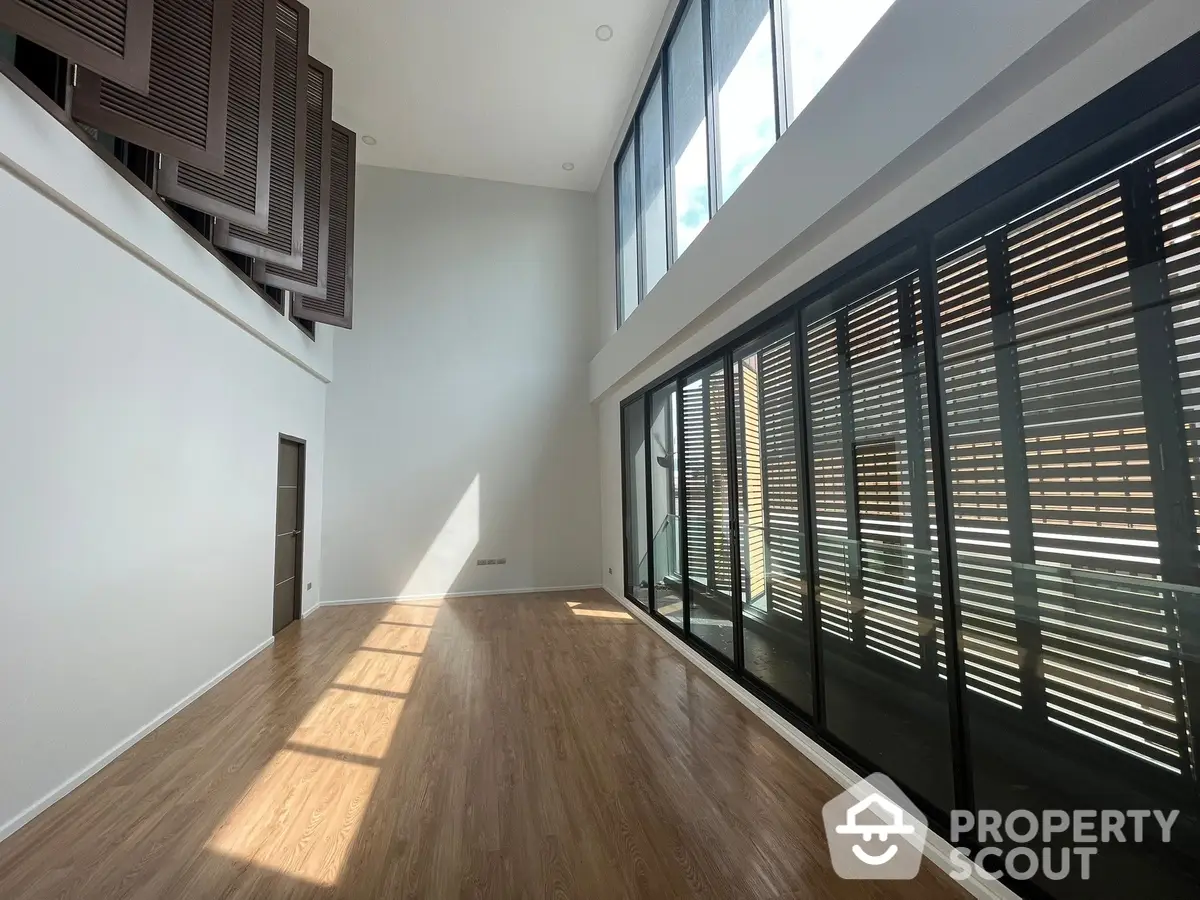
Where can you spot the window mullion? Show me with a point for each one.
(964, 780)
(710, 101)
(638, 219)
(806, 478)
(668, 157)
(732, 525)
(779, 58)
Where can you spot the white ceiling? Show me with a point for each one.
(507, 90)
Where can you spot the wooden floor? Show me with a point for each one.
(542, 745)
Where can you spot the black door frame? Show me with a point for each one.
(301, 466)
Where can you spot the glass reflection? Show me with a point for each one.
(775, 627)
(664, 501)
(706, 478)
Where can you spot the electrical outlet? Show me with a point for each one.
(309, 588)
(610, 570)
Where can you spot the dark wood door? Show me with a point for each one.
(289, 533)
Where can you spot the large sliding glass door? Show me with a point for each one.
(1067, 338)
(633, 450)
(709, 525)
(877, 575)
(944, 509)
(776, 626)
(665, 497)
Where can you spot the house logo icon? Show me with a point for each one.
(874, 831)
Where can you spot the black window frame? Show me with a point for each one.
(660, 68)
(1137, 117)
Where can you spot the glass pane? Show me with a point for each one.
(8, 46)
(744, 76)
(664, 499)
(706, 475)
(653, 186)
(636, 562)
(775, 633)
(689, 127)
(1074, 587)
(627, 231)
(878, 580)
(821, 36)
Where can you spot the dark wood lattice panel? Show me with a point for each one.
(108, 37)
(184, 113)
(241, 194)
(281, 240)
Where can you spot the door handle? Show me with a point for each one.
(295, 534)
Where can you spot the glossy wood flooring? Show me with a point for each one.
(542, 745)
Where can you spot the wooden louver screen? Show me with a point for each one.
(830, 484)
(312, 277)
(184, 113)
(888, 456)
(987, 612)
(1052, 479)
(717, 465)
(877, 575)
(337, 307)
(706, 483)
(781, 476)
(281, 239)
(109, 37)
(695, 480)
(241, 193)
(1177, 182)
(750, 458)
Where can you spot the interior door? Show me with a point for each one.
(289, 533)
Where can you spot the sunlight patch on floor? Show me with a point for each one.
(301, 815)
(603, 614)
(350, 721)
(386, 670)
(576, 606)
(397, 638)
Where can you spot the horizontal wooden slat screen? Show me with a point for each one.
(312, 277)
(1054, 512)
(976, 456)
(780, 472)
(878, 580)
(281, 240)
(1178, 192)
(108, 37)
(750, 459)
(831, 485)
(184, 114)
(695, 480)
(717, 465)
(241, 194)
(338, 306)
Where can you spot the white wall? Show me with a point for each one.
(459, 425)
(142, 391)
(936, 93)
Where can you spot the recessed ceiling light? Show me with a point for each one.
(369, 141)
(604, 33)
(568, 167)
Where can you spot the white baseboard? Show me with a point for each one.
(413, 598)
(937, 849)
(39, 806)
(312, 609)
